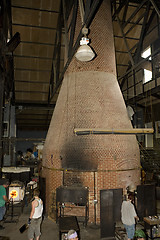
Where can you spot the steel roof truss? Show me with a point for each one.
(135, 12)
(139, 47)
(117, 11)
(55, 70)
(155, 7)
(89, 18)
(125, 41)
(73, 25)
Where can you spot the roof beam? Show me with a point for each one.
(130, 38)
(13, 43)
(155, 7)
(73, 26)
(135, 24)
(125, 13)
(139, 47)
(32, 70)
(36, 57)
(34, 82)
(38, 106)
(89, 18)
(34, 114)
(139, 63)
(117, 11)
(36, 9)
(26, 120)
(135, 12)
(125, 41)
(38, 43)
(65, 26)
(32, 26)
(156, 95)
(30, 91)
(55, 69)
(146, 94)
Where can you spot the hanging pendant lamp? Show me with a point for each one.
(84, 52)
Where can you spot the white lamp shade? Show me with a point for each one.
(84, 53)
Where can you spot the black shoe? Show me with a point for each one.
(1, 227)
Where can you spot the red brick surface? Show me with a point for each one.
(90, 97)
(101, 40)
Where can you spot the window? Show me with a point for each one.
(147, 76)
(147, 73)
(146, 53)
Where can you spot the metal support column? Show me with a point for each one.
(1, 115)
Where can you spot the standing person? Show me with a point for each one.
(35, 218)
(72, 235)
(3, 200)
(128, 216)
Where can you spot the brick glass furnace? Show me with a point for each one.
(90, 97)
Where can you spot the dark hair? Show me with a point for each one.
(29, 150)
(6, 183)
(131, 196)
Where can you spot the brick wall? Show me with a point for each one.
(90, 97)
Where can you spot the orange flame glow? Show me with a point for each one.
(13, 194)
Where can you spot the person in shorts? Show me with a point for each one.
(35, 218)
(128, 216)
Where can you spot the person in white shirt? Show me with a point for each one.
(129, 216)
(35, 218)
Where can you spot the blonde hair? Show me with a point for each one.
(70, 233)
(36, 192)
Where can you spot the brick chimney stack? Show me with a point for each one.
(90, 97)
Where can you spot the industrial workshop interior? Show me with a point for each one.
(80, 115)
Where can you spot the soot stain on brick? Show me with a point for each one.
(75, 157)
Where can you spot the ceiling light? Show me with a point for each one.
(84, 52)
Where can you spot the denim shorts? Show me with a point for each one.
(2, 212)
(130, 230)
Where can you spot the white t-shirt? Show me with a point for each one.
(128, 213)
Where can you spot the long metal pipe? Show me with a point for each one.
(87, 131)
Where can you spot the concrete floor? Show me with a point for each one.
(49, 228)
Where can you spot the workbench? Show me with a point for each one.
(149, 223)
(72, 201)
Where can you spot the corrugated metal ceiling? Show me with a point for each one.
(37, 21)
